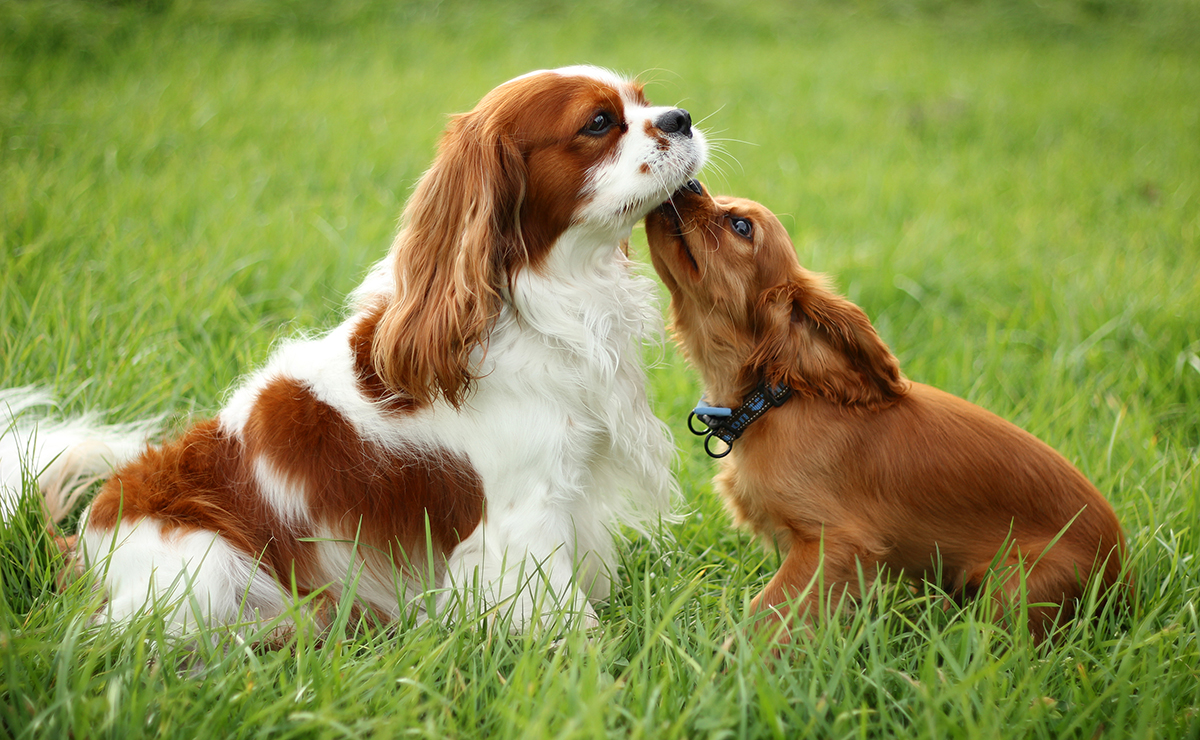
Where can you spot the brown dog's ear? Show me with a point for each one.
(822, 344)
(460, 233)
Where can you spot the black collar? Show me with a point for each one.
(728, 424)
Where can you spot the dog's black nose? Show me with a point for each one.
(694, 186)
(676, 121)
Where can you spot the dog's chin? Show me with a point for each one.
(670, 208)
(671, 238)
(668, 214)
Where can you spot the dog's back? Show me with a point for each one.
(968, 480)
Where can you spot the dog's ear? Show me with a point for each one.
(820, 343)
(451, 260)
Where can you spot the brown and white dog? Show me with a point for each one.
(477, 424)
(860, 467)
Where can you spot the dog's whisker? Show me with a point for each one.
(710, 115)
(718, 141)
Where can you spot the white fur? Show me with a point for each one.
(191, 575)
(65, 457)
(557, 428)
(286, 497)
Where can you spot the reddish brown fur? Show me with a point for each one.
(362, 341)
(862, 467)
(355, 489)
(202, 481)
(355, 486)
(519, 153)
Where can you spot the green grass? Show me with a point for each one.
(1010, 188)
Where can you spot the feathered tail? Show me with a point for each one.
(65, 456)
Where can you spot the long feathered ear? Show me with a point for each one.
(450, 260)
(820, 343)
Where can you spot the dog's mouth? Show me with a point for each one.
(689, 189)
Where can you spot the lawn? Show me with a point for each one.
(1009, 188)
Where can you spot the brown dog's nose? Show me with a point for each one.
(675, 121)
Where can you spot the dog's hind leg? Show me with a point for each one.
(1051, 586)
(194, 576)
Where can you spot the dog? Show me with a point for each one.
(828, 451)
(476, 427)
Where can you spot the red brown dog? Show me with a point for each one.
(841, 460)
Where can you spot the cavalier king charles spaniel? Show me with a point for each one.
(828, 451)
(478, 424)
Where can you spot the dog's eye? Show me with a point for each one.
(599, 124)
(741, 226)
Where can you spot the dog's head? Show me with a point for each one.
(576, 150)
(745, 311)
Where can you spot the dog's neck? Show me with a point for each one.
(720, 361)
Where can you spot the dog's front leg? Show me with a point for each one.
(816, 576)
(521, 580)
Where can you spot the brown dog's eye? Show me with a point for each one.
(599, 124)
(741, 226)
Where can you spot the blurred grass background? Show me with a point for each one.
(1010, 188)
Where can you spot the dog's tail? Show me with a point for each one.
(64, 456)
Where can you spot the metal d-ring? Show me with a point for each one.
(698, 432)
(718, 456)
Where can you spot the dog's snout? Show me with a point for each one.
(694, 186)
(675, 121)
